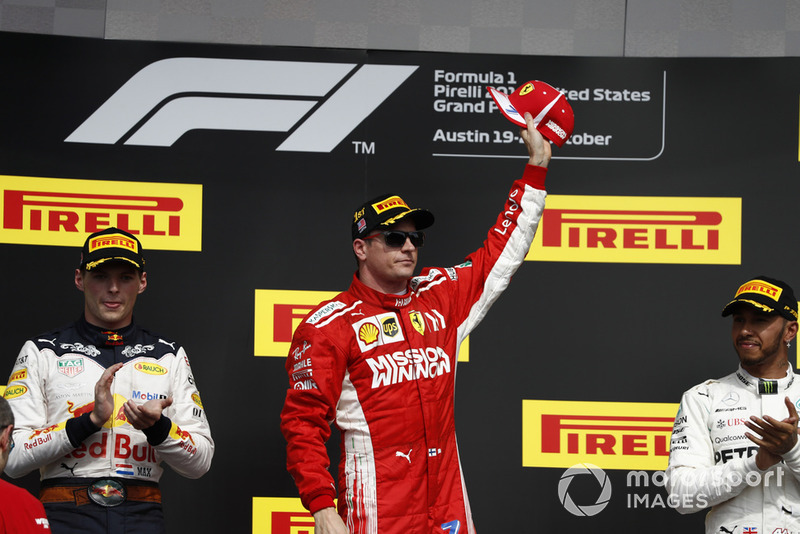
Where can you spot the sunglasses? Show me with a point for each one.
(396, 238)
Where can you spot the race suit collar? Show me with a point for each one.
(765, 386)
(384, 300)
(103, 337)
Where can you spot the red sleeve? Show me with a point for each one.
(316, 370)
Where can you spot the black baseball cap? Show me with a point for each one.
(767, 295)
(384, 211)
(111, 244)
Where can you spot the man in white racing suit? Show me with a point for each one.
(100, 403)
(734, 444)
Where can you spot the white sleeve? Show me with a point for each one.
(693, 480)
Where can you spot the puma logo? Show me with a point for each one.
(70, 469)
(406, 456)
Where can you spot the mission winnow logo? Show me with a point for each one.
(173, 96)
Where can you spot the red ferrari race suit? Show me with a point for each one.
(382, 367)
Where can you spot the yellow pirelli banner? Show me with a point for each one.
(281, 515)
(610, 435)
(610, 229)
(62, 212)
(278, 313)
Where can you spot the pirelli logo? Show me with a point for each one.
(278, 312)
(281, 515)
(610, 435)
(687, 230)
(389, 203)
(62, 212)
(760, 286)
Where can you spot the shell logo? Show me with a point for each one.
(368, 333)
(150, 368)
(12, 392)
(196, 399)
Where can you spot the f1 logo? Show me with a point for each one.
(165, 93)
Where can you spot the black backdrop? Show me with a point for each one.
(613, 328)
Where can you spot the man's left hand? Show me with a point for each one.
(145, 415)
(777, 437)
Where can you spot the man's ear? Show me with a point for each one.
(79, 279)
(360, 249)
(791, 331)
(142, 283)
(5, 438)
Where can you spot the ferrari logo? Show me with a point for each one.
(417, 322)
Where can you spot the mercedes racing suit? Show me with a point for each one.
(382, 367)
(712, 463)
(51, 390)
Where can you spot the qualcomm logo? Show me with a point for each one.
(602, 499)
(170, 97)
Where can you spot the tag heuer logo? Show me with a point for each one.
(71, 367)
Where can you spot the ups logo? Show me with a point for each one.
(390, 327)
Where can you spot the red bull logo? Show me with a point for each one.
(107, 491)
(80, 410)
(42, 435)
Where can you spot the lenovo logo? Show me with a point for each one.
(170, 97)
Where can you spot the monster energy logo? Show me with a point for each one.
(768, 387)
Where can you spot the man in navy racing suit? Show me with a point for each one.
(101, 403)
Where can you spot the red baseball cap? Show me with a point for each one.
(552, 114)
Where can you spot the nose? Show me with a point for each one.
(113, 284)
(408, 245)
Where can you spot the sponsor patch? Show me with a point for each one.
(70, 367)
(22, 374)
(378, 330)
(761, 287)
(14, 390)
(390, 203)
(150, 368)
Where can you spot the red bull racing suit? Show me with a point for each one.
(51, 390)
(712, 463)
(382, 367)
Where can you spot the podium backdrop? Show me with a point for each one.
(239, 167)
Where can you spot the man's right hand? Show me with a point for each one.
(103, 399)
(327, 521)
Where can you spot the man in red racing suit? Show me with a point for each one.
(379, 360)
